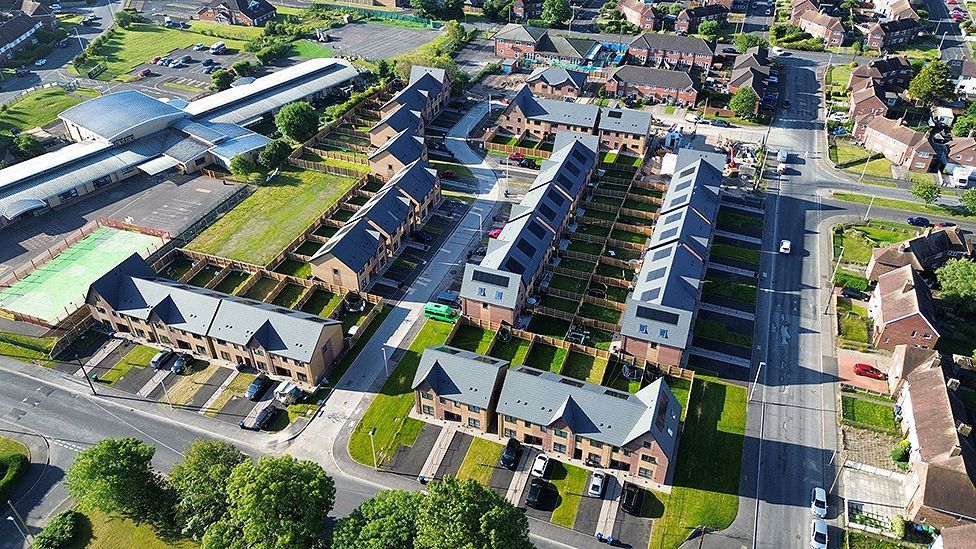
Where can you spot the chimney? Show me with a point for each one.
(952, 384)
(964, 429)
(909, 284)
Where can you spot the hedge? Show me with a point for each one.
(850, 280)
(59, 532)
(13, 467)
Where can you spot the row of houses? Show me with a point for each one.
(132, 299)
(20, 23)
(375, 233)
(573, 419)
(899, 24)
(751, 70)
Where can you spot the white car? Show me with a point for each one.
(785, 246)
(777, 50)
(693, 118)
(40, 62)
(596, 484)
(818, 502)
(839, 116)
(818, 534)
(540, 465)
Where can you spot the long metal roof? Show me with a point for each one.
(115, 115)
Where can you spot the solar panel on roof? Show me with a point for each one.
(682, 186)
(686, 172)
(655, 314)
(579, 156)
(490, 278)
(513, 266)
(548, 212)
(556, 197)
(661, 254)
(536, 229)
(524, 246)
(668, 233)
(563, 180)
(656, 274)
(572, 168)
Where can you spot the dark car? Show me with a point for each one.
(257, 387)
(721, 124)
(527, 163)
(537, 488)
(853, 293)
(422, 236)
(729, 49)
(207, 62)
(510, 457)
(264, 419)
(162, 358)
(632, 498)
(179, 365)
(919, 221)
(944, 224)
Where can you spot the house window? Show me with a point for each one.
(474, 422)
(426, 395)
(542, 429)
(498, 295)
(642, 472)
(482, 292)
(101, 310)
(225, 355)
(648, 459)
(473, 408)
(302, 377)
(647, 444)
(626, 453)
(510, 419)
(926, 336)
(442, 400)
(201, 350)
(663, 332)
(510, 433)
(560, 433)
(914, 333)
(258, 352)
(165, 339)
(556, 447)
(335, 271)
(593, 456)
(642, 328)
(527, 424)
(429, 410)
(596, 443)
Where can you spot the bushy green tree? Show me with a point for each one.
(389, 519)
(243, 68)
(957, 279)
(708, 29)
(463, 513)
(926, 191)
(964, 126)
(455, 33)
(59, 532)
(743, 103)
(556, 12)
(27, 145)
(274, 153)
(242, 165)
(221, 79)
(933, 83)
(200, 480)
(968, 200)
(744, 41)
(124, 19)
(298, 121)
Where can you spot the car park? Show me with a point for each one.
(510, 456)
(263, 420)
(866, 370)
(631, 499)
(537, 489)
(785, 246)
(162, 357)
(597, 484)
(818, 534)
(257, 387)
(210, 69)
(818, 502)
(540, 466)
(918, 221)
(853, 293)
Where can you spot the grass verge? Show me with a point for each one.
(570, 481)
(481, 460)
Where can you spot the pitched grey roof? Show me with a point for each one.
(354, 244)
(668, 42)
(418, 72)
(592, 411)
(521, 33)
(650, 76)
(115, 115)
(565, 46)
(552, 110)
(463, 376)
(625, 121)
(704, 11)
(387, 210)
(425, 83)
(557, 76)
(405, 146)
(415, 180)
(404, 118)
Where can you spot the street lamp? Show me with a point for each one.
(756, 382)
(372, 446)
(386, 361)
(19, 521)
(19, 531)
(833, 276)
(942, 40)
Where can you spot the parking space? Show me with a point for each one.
(191, 79)
(633, 530)
(136, 379)
(548, 501)
(475, 55)
(846, 360)
(209, 387)
(455, 455)
(501, 479)
(238, 408)
(159, 391)
(72, 359)
(409, 460)
(377, 41)
(109, 361)
(588, 515)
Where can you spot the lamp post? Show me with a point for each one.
(756, 382)
(833, 275)
(19, 530)
(386, 361)
(372, 446)
(19, 521)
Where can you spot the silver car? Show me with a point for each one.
(818, 534)
(818, 502)
(597, 484)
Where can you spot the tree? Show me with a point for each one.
(857, 47)
(27, 145)
(708, 29)
(280, 502)
(964, 125)
(59, 531)
(958, 281)
(116, 476)
(744, 41)
(124, 19)
(463, 513)
(968, 200)
(201, 482)
(743, 103)
(274, 153)
(298, 121)
(556, 12)
(455, 33)
(221, 79)
(388, 519)
(223, 535)
(926, 191)
(425, 8)
(497, 10)
(451, 10)
(933, 83)
(243, 68)
(385, 69)
(242, 165)
(674, 9)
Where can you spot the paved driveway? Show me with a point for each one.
(873, 492)
(847, 359)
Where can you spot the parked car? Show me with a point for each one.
(23, 71)
(155, 60)
(785, 246)
(919, 221)
(422, 236)
(179, 365)
(257, 387)
(853, 293)
(186, 58)
(632, 498)
(176, 64)
(818, 534)
(210, 69)
(207, 62)
(693, 118)
(818, 502)
(540, 466)
(729, 49)
(55, 8)
(518, 157)
(199, 47)
(527, 163)
(263, 420)
(448, 174)
(768, 12)
(510, 457)
(866, 370)
(161, 358)
(944, 224)
(163, 61)
(41, 62)
(144, 73)
(537, 488)
(597, 484)
(494, 233)
(721, 124)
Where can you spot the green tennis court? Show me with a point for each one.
(58, 287)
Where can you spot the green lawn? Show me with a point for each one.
(737, 220)
(27, 349)
(585, 367)
(559, 303)
(459, 169)
(859, 240)
(576, 265)
(126, 48)
(727, 289)
(472, 338)
(40, 108)
(614, 378)
(289, 295)
(839, 75)
(905, 205)
(879, 167)
(261, 226)
(309, 49)
(718, 331)
(706, 478)
(570, 481)
(871, 414)
(138, 357)
(729, 251)
(188, 384)
(842, 151)
(322, 303)
(238, 32)
(681, 389)
(232, 282)
(545, 357)
(294, 268)
(97, 530)
(568, 284)
(9, 446)
(513, 350)
(387, 414)
(481, 460)
(596, 312)
(261, 289)
(236, 387)
(347, 359)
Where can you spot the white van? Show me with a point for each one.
(218, 48)
(782, 156)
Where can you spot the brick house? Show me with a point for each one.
(542, 118)
(638, 13)
(666, 50)
(527, 9)
(556, 82)
(20, 32)
(624, 130)
(751, 70)
(428, 91)
(925, 252)
(899, 144)
(246, 13)
(689, 18)
(574, 419)
(799, 7)
(959, 157)
(531, 45)
(823, 26)
(902, 311)
(887, 35)
(131, 298)
(657, 85)
(893, 73)
(872, 98)
(894, 10)
(402, 119)
(398, 152)
(457, 385)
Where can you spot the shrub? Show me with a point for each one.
(850, 280)
(59, 532)
(13, 467)
(898, 526)
(900, 451)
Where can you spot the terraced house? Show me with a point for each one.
(751, 70)
(496, 288)
(403, 119)
(670, 51)
(396, 153)
(534, 45)
(542, 118)
(624, 130)
(428, 91)
(887, 35)
(658, 322)
(639, 13)
(900, 144)
(826, 27)
(457, 385)
(19, 31)
(690, 18)
(131, 298)
(556, 82)
(657, 85)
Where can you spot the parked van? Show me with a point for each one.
(437, 311)
(218, 48)
(288, 393)
(782, 156)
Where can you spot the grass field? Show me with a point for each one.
(706, 480)
(40, 108)
(718, 331)
(460, 169)
(681, 389)
(472, 338)
(870, 414)
(570, 481)
(98, 530)
(387, 414)
(879, 167)
(10, 446)
(842, 151)
(745, 293)
(322, 303)
(232, 282)
(545, 357)
(905, 205)
(859, 240)
(27, 349)
(309, 49)
(136, 358)
(261, 226)
(481, 460)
